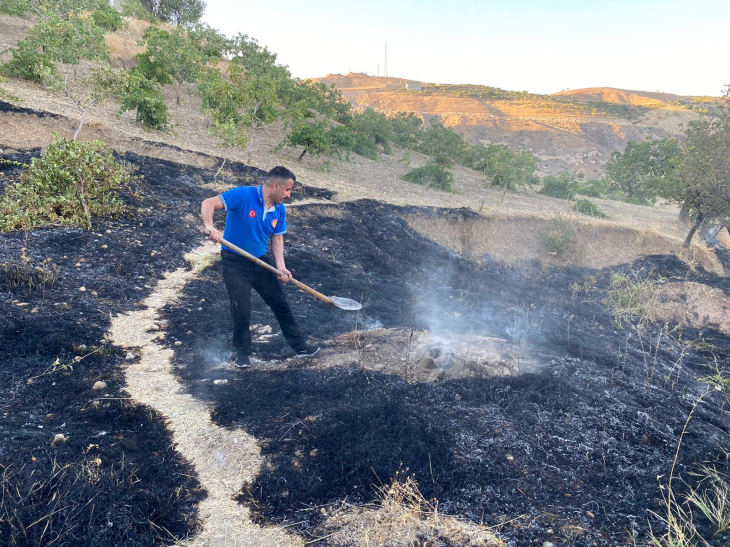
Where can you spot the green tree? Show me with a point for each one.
(406, 127)
(314, 137)
(702, 181)
(211, 44)
(177, 12)
(642, 168)
(145, 96)
(443, 144)
(502, 166)
(170, 57)
(375, 127)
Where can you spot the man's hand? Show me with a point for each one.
(214, 235)
(286, 277)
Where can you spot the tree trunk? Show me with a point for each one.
(684, 213)
(302, 155)
(697, 224)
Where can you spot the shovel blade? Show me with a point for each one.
(346, 303)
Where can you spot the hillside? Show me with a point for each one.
(519, 373)
(574, 130)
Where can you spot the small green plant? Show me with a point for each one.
(27, 63)
(586, 207)
(559, 235)
(432, 174)
(712, 498)
(70, 183)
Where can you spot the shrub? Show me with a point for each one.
(595, 188)
(27, 63)
(432, 174)
(70, 183)
(14, 7)
(145, 96)
(564, 186)
(589, 208)
(108, 18)
(559, 235)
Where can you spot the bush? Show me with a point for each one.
(563, 186)
(70, 183)
(595, 188)
(432, 174)
(559, 235)
(108, 18)
(14, 7)
(589, 208)
(27, 63)
(145, 96)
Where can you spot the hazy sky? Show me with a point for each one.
(540, 46)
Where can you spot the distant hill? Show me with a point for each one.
(576, 130)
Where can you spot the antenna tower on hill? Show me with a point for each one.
(385, 67)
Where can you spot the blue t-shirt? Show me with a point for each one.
(249, 224)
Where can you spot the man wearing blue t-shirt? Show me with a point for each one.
(253, 215)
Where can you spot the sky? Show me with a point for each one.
(523, 45)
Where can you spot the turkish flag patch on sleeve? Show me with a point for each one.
(252, 213)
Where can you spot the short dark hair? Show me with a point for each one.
(279, 173)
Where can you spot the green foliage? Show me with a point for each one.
(27, 62)
(432, 174)
(145, 96)
(169, 57)
(405, 129)
(375, 127)
(211, 44)
(70, 183)
(443, 144)
(107, 18)
(56, 38)
(503, 166)
(586, 207)
(177, 12)
(15, 7)
(135, 9)
(563, 186)
(559, 235)
(314, 137)
(643, 168)
(628, 297)
(595, 188)
(702, 181)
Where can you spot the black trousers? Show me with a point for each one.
(240, 276)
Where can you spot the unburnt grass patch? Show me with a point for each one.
(573, 448)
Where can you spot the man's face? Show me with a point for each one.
(281, 190)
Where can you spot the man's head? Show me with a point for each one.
(279, 182)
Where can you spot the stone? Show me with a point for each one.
(129, 356)
(59, 438)
(99, 385)
(82, 289)
(220, 382)
(178, 343)
(82, 347)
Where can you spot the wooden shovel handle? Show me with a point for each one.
(273, 270)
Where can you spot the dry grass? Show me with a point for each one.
(403, 518)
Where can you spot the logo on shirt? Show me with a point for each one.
(252, 213)
(274, 222)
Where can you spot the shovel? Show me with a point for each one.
(337, 301)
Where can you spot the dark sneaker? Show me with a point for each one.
(306, 350)
(241, 360)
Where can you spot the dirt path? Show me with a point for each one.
(224, 459)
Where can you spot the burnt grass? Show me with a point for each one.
(575, 447)
(580, 447)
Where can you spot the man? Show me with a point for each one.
(253, 215)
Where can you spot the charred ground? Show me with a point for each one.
(576, 447)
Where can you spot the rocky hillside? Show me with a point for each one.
(575, 130)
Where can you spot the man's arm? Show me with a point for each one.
(277, 249)
(207, 208)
